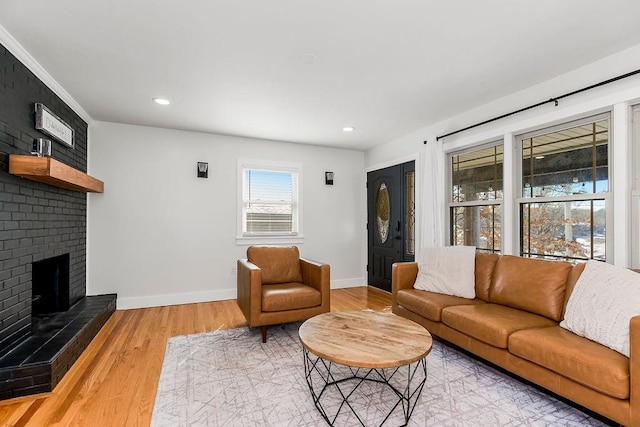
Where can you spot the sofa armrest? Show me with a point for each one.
(317, 275)
(403, 276)
(634, 371)
(249, 282)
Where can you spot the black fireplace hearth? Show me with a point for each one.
(37, 364)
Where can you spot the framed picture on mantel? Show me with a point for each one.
(47, 122)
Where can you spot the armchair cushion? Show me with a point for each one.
(278, 264)
(289, 296)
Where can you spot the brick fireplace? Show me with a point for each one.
(39, 223)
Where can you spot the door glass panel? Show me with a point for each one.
(383, 212)
(410, 213)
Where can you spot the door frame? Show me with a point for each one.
(418, 200)
(634, 144)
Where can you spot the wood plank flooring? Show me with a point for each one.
(114, 381)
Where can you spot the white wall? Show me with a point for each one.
(159, 235)
(616, 97)
(604, 97)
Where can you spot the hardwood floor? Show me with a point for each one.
(114, 381)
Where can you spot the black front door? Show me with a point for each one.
(390, 221)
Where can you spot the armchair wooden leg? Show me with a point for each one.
(263, 329)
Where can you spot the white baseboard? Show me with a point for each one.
(348, 283)
(175, 299)
(126, 303)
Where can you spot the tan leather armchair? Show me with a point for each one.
(276, 286)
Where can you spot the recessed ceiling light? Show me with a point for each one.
(539, 157)
(161, 101)
(308, 58)
(348, 129)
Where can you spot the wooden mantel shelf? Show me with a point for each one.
(51, 171)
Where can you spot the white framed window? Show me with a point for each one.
(564, 191)
(269, 202)
(476, 197)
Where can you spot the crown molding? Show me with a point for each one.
(12, 45)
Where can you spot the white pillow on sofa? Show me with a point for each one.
(448, 270)
(602, 303)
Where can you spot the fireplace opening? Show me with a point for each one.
(50, 286)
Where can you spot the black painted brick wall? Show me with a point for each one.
(37, 220)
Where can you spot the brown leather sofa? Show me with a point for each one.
(276, 286)
(513, 323)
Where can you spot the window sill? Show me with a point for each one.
(269, 240)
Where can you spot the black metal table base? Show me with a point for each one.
(332, 385)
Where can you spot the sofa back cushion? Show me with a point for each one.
(277, 264)
(533, 285)
(485, 263)
(574, 275)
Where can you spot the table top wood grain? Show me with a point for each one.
(365, 339)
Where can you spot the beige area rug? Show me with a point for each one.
(230, 378)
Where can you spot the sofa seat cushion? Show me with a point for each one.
(430, 304)
(579, 359)
(491, 323)
(289, 296)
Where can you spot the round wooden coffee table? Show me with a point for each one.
(344, 350)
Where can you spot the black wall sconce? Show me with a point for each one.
(203, 170)
(328, 178)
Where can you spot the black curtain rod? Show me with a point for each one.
(554, 100)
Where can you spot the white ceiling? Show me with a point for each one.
(386, 67)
